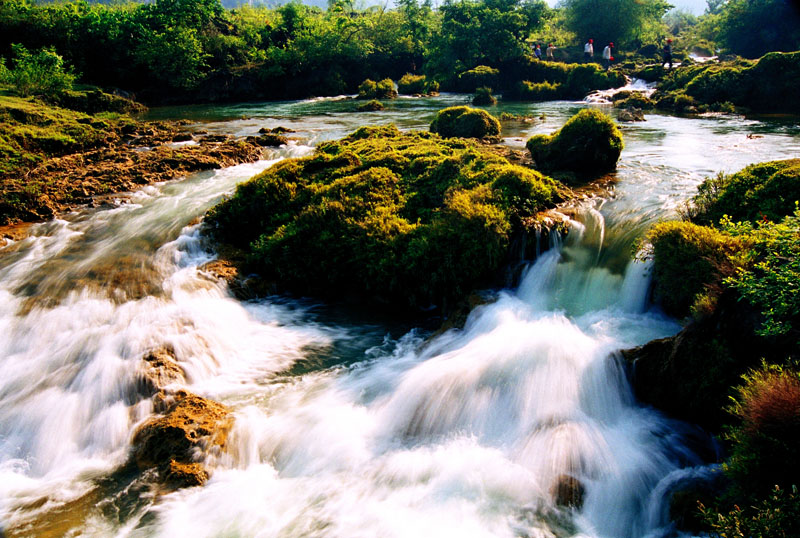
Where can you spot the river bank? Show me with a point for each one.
(57, 159)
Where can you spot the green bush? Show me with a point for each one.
(775, 516)
(39, 73)
(483, 96)
(465, 122)
(769, 278)
(537, 91)
(589, 144)
(632, 100)
(410, 219)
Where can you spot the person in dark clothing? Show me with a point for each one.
(668, 54)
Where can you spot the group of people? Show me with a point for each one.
(608, 57)
(537, 51)
(608, 52)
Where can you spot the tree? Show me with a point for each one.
(625, 22)
(752, 28)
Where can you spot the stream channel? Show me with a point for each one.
(346, 425)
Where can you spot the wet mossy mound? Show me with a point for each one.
(465, 122)
(383, 89)
(384, 217)
(540, 81)
(768, 85)
(416, 85)
(589, 144)
(483, 97)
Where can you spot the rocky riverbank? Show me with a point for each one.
(56, 159)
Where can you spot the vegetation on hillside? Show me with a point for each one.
(197, 50)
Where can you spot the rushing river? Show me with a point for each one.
(347, 426)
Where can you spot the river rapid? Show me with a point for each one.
(347, 425)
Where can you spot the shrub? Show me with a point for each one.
(776, 516)
(465, 122)
(633, 100)
(536, 91)
(384, 89)
(769, 276)
(766, 437)
(588, 144)
(483, 96)
(41, 73)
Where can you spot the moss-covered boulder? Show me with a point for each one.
(483, 97)
(370, 106)
(465, 122)
(472, 79)
(408, 219)
(383, 89)
(626, 99)
(589, 144)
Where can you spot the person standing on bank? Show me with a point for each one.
(607, 57)
(668, 54)
(538, 52)
(588, 50)
(550, 50)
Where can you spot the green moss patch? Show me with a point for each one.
(465, 122)
(589, 144)
(410, 219)
(555, 80)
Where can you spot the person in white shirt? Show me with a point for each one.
(607, 58)
(588, 50)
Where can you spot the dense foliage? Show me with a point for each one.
(588, 144)
(624, 22)
(741, 272)
(41, 73)
(409, 218)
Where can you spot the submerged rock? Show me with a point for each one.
(631, 114)
(568, 491)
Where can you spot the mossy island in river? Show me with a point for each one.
(410, 219)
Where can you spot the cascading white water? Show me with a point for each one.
(462, 435)
(465, 435)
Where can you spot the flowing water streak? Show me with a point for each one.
(83, 300)
(466, 435)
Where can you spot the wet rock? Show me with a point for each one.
(630, 114)
(275, 130)
(269, 140)
(190, 425)
(214, 138)
(160, 369)
(568, 491)
(370, 106)
(182, 137)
